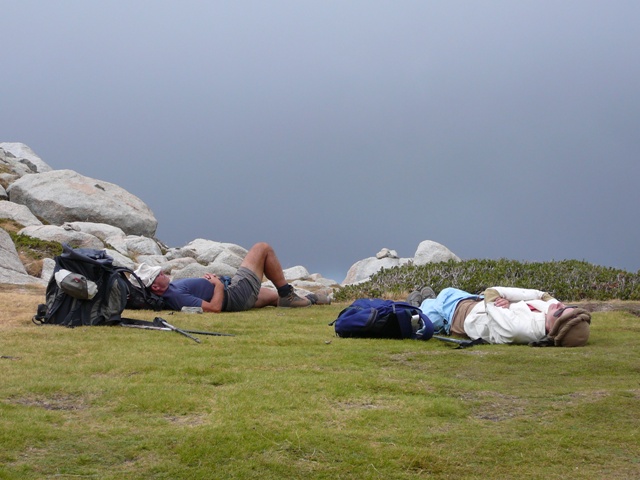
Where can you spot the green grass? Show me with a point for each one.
(285, 398)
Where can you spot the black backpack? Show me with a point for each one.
(87, 289)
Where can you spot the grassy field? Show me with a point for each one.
(284, 398)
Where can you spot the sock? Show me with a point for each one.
(284, 290)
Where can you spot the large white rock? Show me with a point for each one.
(24, 159)
(207, 252)
(196, 270)
(9, 255)
(48, 265)
(12, 270)
(61, 196)
(18, 213)
(53, 233)
(364, 269)
(296, 273)
(120, 260)
(227, 257)
(433, 252)
(139, 245)
(100, 230)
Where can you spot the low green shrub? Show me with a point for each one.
(566, 280)
(34, 248)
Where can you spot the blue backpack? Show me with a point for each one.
(377, 318)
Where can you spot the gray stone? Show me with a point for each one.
(221, 269)
(100, 230)
(207, 251)
(12, 270)
(296, 273)
(18, 213)
(364, 269)
(152, 260)
(194, 270)
(9, 258)
(227, 257)
(48, 264)
(178, 264)
(433, 252)
(236, 249)
(191, 310)
(175, 253)
(63, 196)
(53, 233)
(386, 253)
(25, 156)
(120, 260)
(11, 277)
(118, 243)
(138, 245)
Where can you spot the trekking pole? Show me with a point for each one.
(215, 334)
(148, 326)
(461, 343)
(175, 329)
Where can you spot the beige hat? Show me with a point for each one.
(147, 273)
(572, 328)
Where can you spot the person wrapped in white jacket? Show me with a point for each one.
(509, 315)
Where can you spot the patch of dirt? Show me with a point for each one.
(358, 405)
(186, 420)
(54, 402)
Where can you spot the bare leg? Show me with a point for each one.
(262, 261)
(268, 297)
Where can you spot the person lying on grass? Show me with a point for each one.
(243, 292)
(505, 315)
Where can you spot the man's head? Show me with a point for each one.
(567, 326)
(147, 274)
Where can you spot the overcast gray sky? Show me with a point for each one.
(332, 129)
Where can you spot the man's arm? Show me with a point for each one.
(215, 304)
(504, 296)
(509, 316)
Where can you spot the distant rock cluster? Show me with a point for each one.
(428, 252)
(66, 207)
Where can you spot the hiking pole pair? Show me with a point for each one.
(161, 324)
(176, 329)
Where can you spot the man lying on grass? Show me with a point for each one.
(505, 315)
(243, 292)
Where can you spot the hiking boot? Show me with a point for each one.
(427, 292)
(319, 299)
(415, 298)
(293, 301)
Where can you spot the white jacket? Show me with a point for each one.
(516, 324)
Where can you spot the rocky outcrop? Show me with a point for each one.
(22, 159)
(89, 213)
(53, 233)
(428, 252)
(362, 270)
(61, 196)
(18, 213)
(433, 252)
